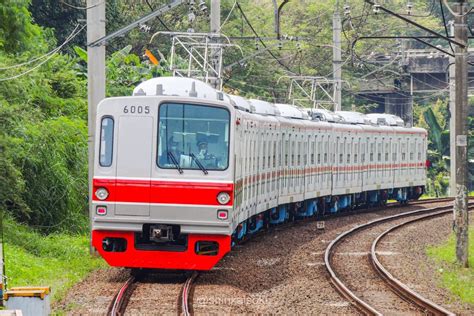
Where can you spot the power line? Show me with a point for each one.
(80, 8)
(228, 16)
(40, 57)
(261, 41)
(444, 23)
(72, 36)
(158, 17)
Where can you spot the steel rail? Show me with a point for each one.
(185, 302)
(340, 286)
(118, 305)
(400, 288)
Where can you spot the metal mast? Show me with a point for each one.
(337, 61)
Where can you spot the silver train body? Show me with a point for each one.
(183, 172)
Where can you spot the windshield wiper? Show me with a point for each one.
(198, 163)
(175, 162)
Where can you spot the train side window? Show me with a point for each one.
(106, 142)
(300, 153)
(379, 152)
(372, 149)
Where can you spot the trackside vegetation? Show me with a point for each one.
(459, 281)
(58, 260)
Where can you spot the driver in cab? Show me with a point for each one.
(208, 160)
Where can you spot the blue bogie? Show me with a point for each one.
(402, 195)
(373, 197)
(278, 215)
(307, 209)
(334, 206)
(243, 230)
(258, 225)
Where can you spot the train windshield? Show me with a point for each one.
(193, 137)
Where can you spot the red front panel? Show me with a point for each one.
(164, 192)
(174, 260)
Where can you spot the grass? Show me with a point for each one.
(459, 281)
(58, 260)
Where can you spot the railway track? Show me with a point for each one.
(183, 305)
(382, 294)
(119, 304)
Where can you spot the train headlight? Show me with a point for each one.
(223, 198)
(102, 193)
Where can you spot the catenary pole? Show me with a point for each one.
(337, 60)
(461, 221)
(215, 28)
(95, 78)
(452, 124)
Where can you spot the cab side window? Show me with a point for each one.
(106, 142)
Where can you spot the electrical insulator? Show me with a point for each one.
(376, 8)
(256, 45)
(280, 45)
(145, 28)
(191, 17)
(298, 46)
(347, 10)
(202, 6)
(409, 7)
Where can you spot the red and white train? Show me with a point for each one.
(182, 172)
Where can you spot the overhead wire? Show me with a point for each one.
(39, 57)
(228, 16)
(158, 17)
(261, 41)
(81, 8)
(70, 37)
(444, 23)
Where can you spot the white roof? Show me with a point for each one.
(385, 119)
(178, 86)
(188, 87)
(325, 115)
(353, 117)
(263, 107)
(287, 110)
(241, 103)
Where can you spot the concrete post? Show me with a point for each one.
(215, 28)
(337, 61)
(452, 110)
(96, 77)
(461, 220)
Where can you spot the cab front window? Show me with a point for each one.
(193, 137)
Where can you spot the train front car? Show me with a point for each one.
(163, 177)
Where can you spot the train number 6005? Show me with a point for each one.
(139, 109)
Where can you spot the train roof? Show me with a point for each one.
(291, 111)
(189, 88)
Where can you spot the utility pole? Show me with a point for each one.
(2, 259)
(95, 78)
(460, 211)
(452, 124)
(461, 220)
(337, 61)
(215, 28)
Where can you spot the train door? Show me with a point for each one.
(362, 165)
(398, 161)
(245, 180)
(134, 165)
(327, 160)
